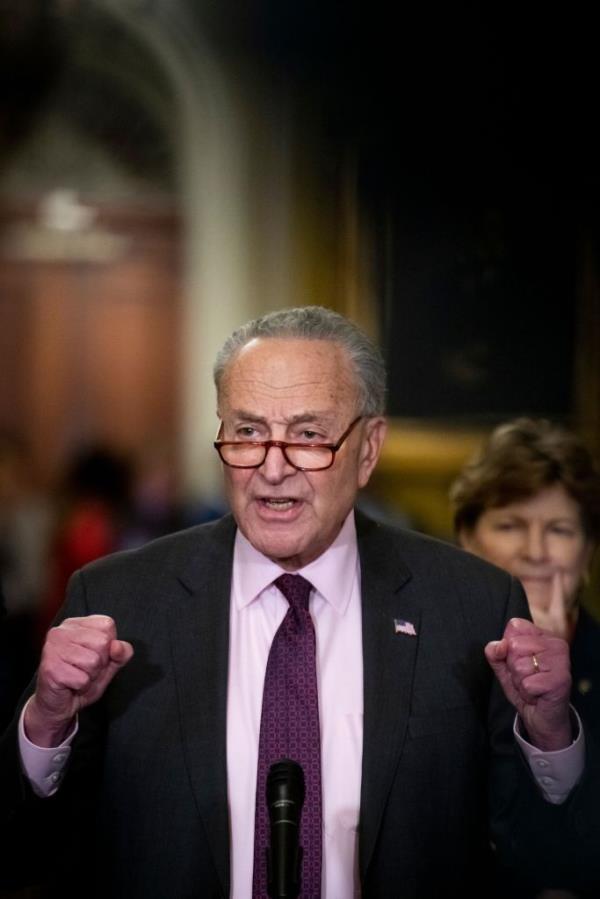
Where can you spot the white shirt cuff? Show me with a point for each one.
(555, 773)
(44, 767)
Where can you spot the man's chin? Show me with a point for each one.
(284, 553)
(290, 554)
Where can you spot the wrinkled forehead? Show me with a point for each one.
(289, 372)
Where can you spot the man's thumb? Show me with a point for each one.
(120, 652)
(495, 652)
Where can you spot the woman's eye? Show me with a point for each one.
(563, 530)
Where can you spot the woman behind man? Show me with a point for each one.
(530, 503)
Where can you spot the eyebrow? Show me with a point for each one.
(564, 519)
(309, 416)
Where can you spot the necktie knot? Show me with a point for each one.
(296, 590)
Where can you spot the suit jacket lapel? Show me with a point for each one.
(388, 662)
(199, 633)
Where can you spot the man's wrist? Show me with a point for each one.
(556, 735)
(555, 771)
(43, 731)
(553, 742)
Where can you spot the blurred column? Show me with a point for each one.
(210, 155)
(263, 223)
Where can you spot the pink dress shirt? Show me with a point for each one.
(257, 610)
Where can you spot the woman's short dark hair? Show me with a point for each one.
(519, 459)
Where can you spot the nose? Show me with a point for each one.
(275, 467)
(534, 547)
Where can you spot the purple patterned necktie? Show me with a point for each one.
(289, 728)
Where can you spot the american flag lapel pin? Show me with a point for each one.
(404, 627)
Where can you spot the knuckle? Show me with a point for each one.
(106, 627)
(103, 622)
(96, 665)
(68, 624)
(45, 671)
(82, 680)
(521, 667)
(55, 635)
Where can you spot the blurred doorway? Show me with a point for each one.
(89, 333)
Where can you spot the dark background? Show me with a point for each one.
(473, 129)
(476, 143)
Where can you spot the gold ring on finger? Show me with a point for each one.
(536, 664)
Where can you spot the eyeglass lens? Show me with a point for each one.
(248, 454)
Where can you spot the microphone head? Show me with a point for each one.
(285, 786)
(285, 797)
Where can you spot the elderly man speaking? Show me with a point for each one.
(417, 720)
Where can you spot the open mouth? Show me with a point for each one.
(279, 504)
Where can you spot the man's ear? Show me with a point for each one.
(372, 443)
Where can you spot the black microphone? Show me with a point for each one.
(285, 797)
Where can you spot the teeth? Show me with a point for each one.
(279, 503)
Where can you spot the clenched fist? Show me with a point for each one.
(79, 659)
(534, 672)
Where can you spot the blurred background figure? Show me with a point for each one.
(530, 503)
(154, 507)
(25, 525)
(94, 507)
(103, 500)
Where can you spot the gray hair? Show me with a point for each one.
(317, 323)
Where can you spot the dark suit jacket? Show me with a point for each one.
(143, 812)
(585, 668)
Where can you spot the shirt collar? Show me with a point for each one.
(332, 574)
